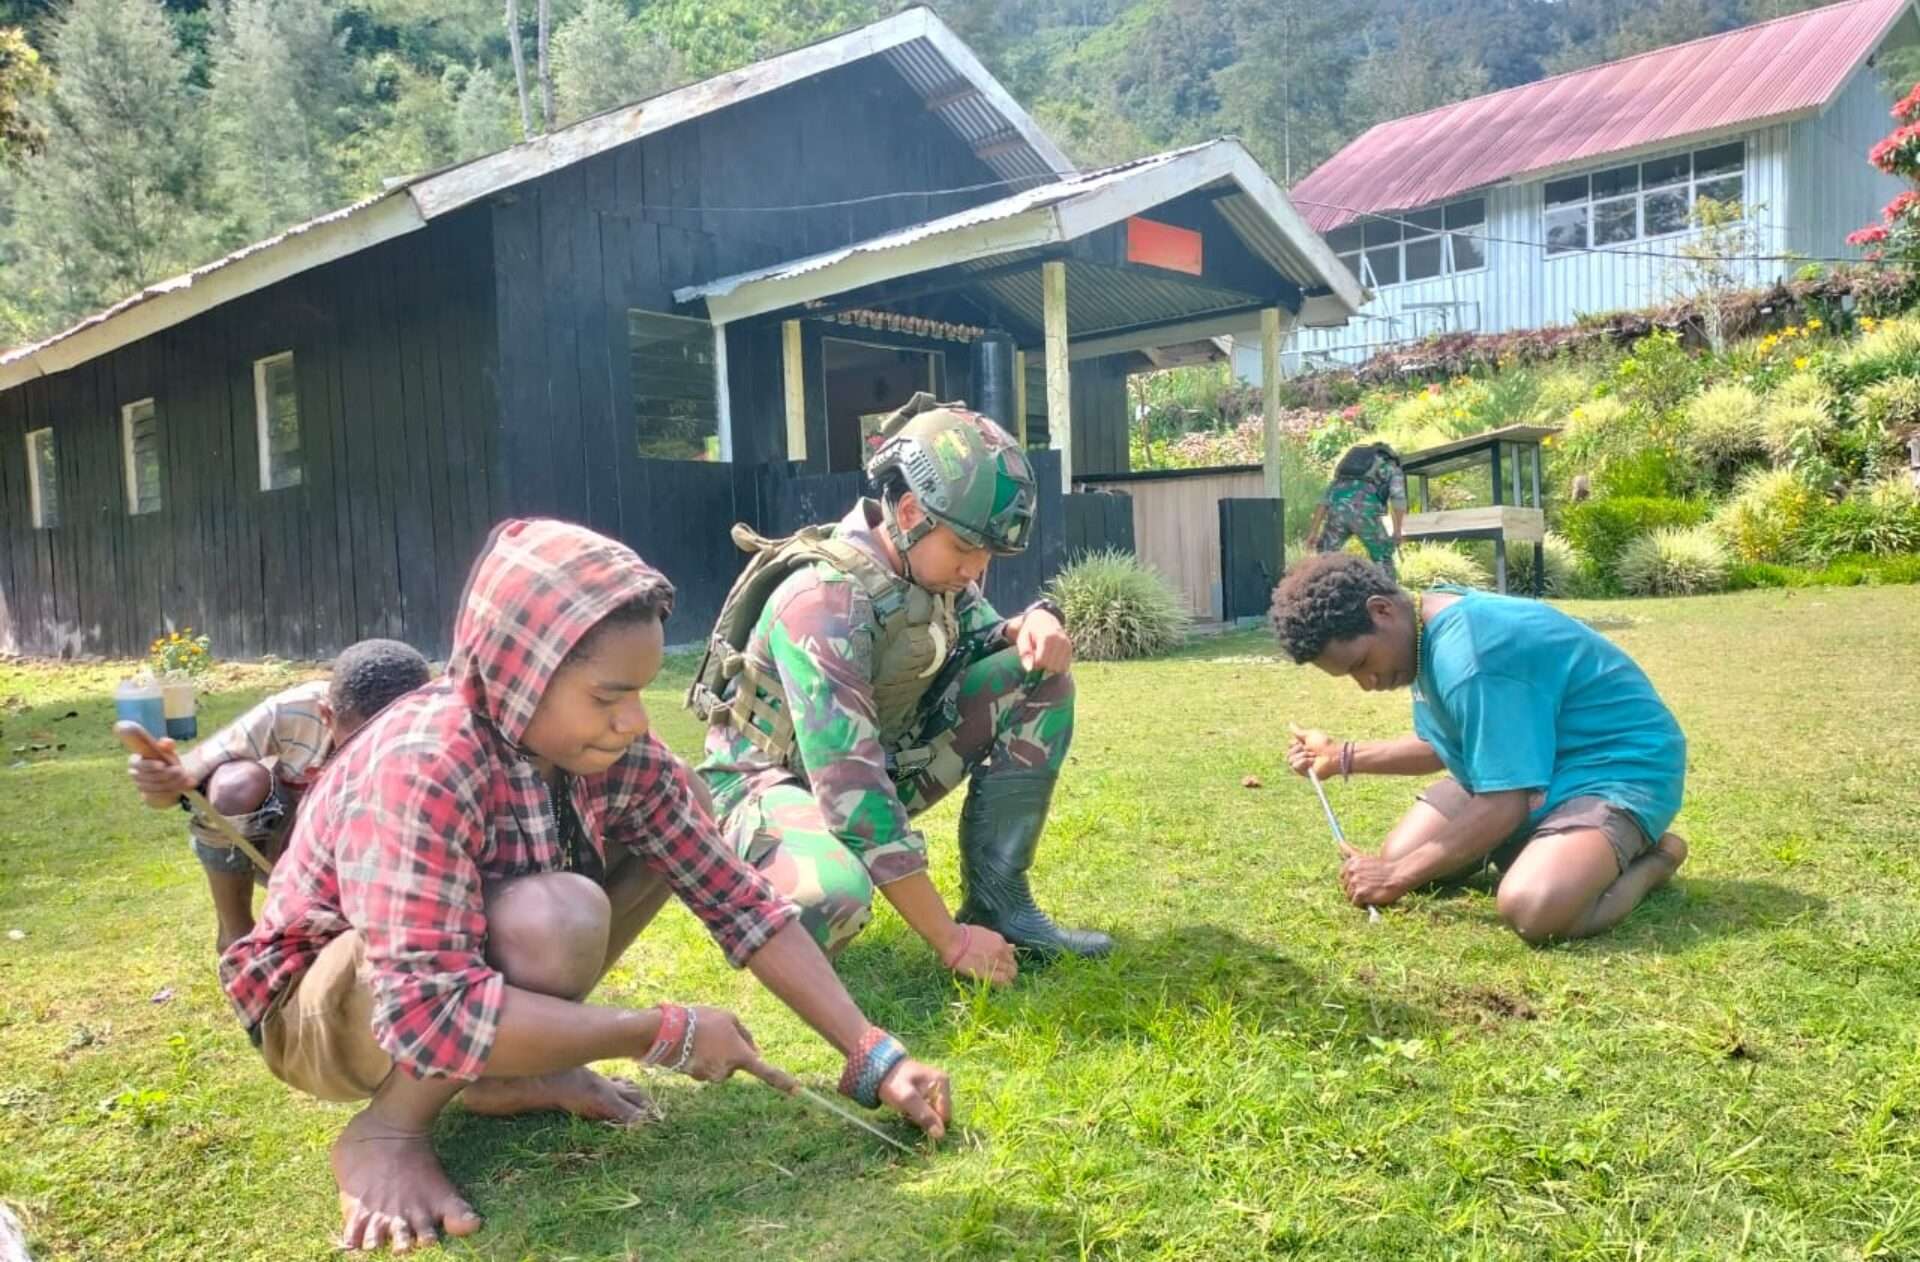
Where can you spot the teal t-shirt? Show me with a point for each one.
(1514, 694)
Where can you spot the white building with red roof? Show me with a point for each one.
(1566, 197)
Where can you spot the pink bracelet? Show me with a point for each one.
(671, 1034)
(960, 948)
(1346, 760)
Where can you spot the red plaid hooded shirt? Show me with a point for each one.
(434, 801)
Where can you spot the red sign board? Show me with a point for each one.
(1163, 245)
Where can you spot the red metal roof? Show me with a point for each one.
(1735, 80)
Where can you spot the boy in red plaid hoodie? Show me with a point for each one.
(461, 877)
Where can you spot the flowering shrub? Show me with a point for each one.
(180, 654)
(1897, 235)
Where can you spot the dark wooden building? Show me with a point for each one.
(658, 321)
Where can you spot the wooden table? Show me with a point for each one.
(1518, 514)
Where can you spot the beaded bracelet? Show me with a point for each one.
(1346, 760)
(869, 1066)
(672, 1032)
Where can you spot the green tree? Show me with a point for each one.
(1414, 66)
(281, 91)
(601, 58)
(22, 77)
(122, 196)
(482, 111)
(1287, 94)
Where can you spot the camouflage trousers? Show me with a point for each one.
(1342, 522)
(1002, 718)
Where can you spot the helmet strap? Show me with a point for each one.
(903, 540)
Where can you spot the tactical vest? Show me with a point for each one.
(915, 634)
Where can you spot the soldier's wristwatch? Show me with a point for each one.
(1050, 607)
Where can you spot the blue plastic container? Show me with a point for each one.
(139, 701)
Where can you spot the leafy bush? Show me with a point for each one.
(1422, 565)
(1848, 571)
(1763, 520)
(1117, 608)
(1674, 561)
(1601, 529)
(1803, 387)
(1723, 427)
(1892, 349)
(1861, 525)
(1649, 473)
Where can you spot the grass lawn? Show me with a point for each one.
(1733, 1073)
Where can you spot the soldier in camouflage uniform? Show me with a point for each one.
(1367, 484)
(858, 675)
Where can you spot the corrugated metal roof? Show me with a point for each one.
(1102, 299)
(1779, 69)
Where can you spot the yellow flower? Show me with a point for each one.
(1800, 363)
(1814, 323)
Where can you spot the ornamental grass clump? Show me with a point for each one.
(1424, 565)
(1723, 427)
(1674, 561)
(1562, 574)
(1763, 520)
(1117, 609)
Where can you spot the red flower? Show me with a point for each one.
(1900, 205)
(1909, 108)
(1873, 234)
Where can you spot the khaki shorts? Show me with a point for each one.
(1622, 830)
(319, 1037)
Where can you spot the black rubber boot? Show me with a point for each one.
(999, 831)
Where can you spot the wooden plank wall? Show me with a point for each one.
(394, 370)
(1096, 521)
(1252, 555)
(1176, 527)
(1099, 412)
(577, 249)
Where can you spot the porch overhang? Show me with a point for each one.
(996, 251)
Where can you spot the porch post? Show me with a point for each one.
(1053, 285)
(1020, 397)
(796, 381)
(1270, 398)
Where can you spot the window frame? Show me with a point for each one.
(36, 494)
(1554, 213)
(1377, 234)
(262, 422)
(127, 423)
(716, 336)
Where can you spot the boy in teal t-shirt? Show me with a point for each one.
(1564, 766)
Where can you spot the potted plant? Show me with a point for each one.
(179, 658)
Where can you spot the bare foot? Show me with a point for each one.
(1672, 848)
(580, 1092)
(393, 1192)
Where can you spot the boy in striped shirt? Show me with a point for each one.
(255, 769)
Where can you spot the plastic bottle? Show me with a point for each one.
(138, 700)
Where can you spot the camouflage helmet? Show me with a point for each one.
(969, 474)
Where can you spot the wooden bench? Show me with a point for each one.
(1511, 459)
(1502, 523)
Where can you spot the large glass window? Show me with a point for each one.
(1641, 199)
(1418, 245)
(676, 387)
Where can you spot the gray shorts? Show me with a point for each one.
(266, 827)
(1622, 830)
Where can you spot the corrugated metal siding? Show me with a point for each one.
(1768, 71)
(1646, 273)
(1835, 188)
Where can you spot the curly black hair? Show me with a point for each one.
(1324, 599)
(373, 674)
(653, 604)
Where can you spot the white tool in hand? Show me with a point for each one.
(1339, 837)
(840, 1110)
(140, 741)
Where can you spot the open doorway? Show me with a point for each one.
(864, 383)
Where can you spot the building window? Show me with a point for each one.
(1419, 245)
(276, 406)
(140, 441)
(676, 387)
(1641, 199)
(43, 480)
